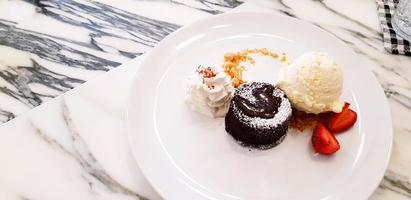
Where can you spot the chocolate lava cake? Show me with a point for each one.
(258, 115)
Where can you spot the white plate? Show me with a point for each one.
(186, 155)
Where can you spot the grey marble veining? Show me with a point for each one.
(107, 36)
(92, 172)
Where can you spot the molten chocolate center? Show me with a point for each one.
(265, 104)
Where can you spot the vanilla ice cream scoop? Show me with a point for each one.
(313, 83)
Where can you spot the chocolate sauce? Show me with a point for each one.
(251, 118)
(265, 104)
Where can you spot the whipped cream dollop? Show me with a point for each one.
(209, 92)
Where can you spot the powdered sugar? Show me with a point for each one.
(283, 114)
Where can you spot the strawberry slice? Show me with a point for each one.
(323, 141)
(342, 121)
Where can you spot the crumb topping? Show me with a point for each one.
(283, 57)
(232, 62)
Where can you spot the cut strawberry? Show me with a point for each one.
(342, 121)
(323, 141)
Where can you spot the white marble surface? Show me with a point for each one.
(50, 49)
(74, 146)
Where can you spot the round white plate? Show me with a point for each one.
(186, 155)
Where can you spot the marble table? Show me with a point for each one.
(74, 145)
(52, 48)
